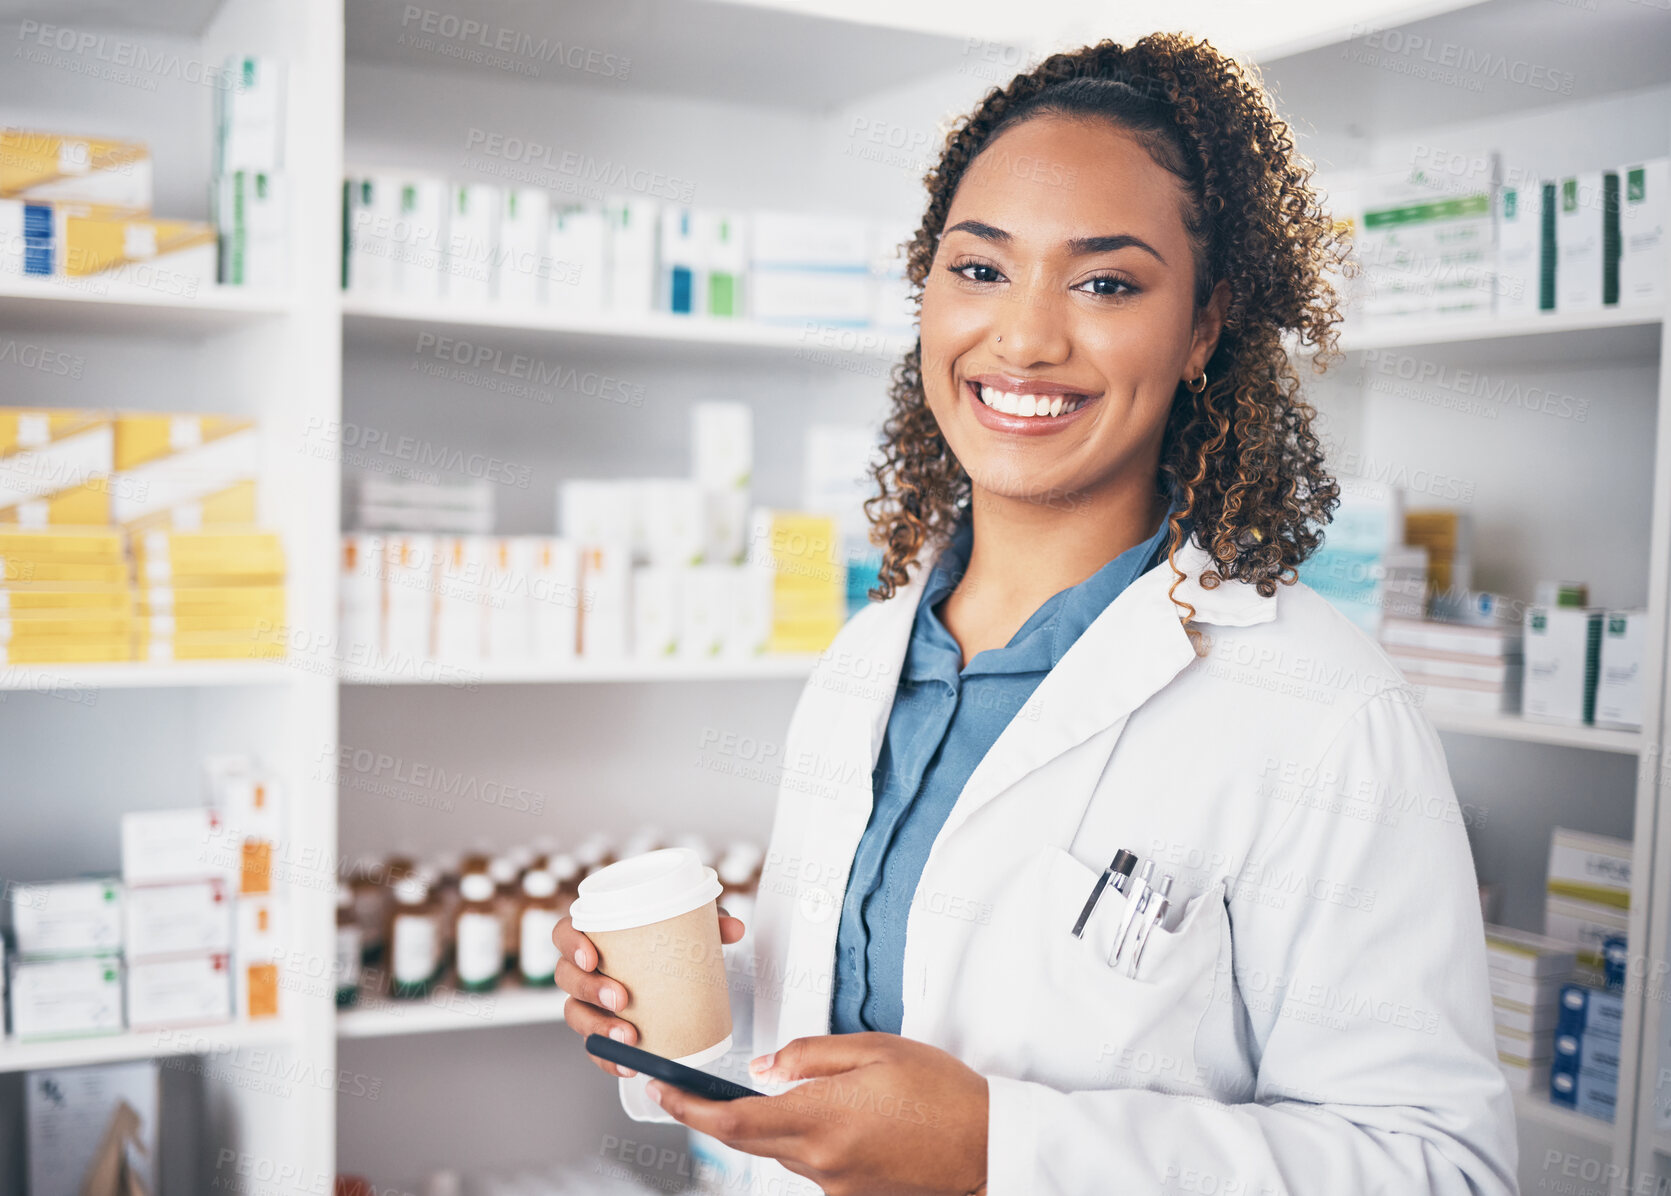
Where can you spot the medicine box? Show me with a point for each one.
(1589, 867)
(252, 220)
(1519, 247)
(55, 467)
(577, 249)
(1587, 1012)
(76, 1114)
(417, 243)
(1642, 236)
(370, 216)
(555, 586)
(171, 257)
(66, 998)
(249, 115)
(656, 597)
(472, 242)
(247, 797)
(190, 918)
(683, 286)
(1587, 925)
(169, 846)
(73, 917)
(1624, 638)
(1563, 658)
(1520, 953)
(524, 235)
(257, 958)
(186, 990)
(60, 168)
(632, 225)
(722, 440)
(1587, 241)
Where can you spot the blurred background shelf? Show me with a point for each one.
(582, 671)
(1513, 726)
(447, 1010)
(52, 305)
(143, 675)
(142, 1044)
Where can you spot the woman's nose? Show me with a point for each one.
(1031, 328)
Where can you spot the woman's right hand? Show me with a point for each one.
(594, 997)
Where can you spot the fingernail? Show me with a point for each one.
(626, 1072)
(610, 999)
(618, 1033)
(654, 1089)
(763, 1064)
(580, 959)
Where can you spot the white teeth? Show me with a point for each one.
(1026, 405)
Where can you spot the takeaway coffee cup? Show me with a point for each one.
(655, 923)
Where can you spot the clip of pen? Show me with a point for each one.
(1137, 900)
(1147, 927)
(1118, 871)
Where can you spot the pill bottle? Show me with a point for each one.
(566, 872)
(537, 954)
(507, 901)
(414, 941)
(372, 907)
(346, 967)
(481, 950)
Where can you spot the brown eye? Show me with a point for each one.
(978, 272)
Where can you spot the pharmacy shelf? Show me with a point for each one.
(142, 675)
(397, 322)
(1535, 1107)
(1611, 332)
(447, 1009)
(754, 668)
(56, 305)
(141, 1044)
(1525, 730)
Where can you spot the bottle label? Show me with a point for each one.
(414, 950)
(539, 954)
(348, 957)
(481, 951)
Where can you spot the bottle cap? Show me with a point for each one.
(477, 886)
(539, 884)
(410, 890)
(502, 870)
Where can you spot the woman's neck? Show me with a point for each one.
(1024, 552)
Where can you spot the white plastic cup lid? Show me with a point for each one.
(646, 888)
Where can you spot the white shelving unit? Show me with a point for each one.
(1395, 404)
(610, 745)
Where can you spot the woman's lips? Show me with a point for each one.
(1026, 413)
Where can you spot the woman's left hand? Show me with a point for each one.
(878, 1114)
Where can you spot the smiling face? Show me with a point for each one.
(1059, 314)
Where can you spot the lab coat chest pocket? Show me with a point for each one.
(1070, 1018)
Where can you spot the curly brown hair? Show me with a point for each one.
(1240, 457)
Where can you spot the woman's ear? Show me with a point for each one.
(1209, 322)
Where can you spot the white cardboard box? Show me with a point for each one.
(1624, 635)
(70, 1112)
(191, 918)
(1643, 191)
(1580, 241)
(72, 917)
(162, 847)
(66, 998)
(191, 990)
(1562, 656)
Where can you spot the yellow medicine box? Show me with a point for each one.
(55, 467)
(58, 167)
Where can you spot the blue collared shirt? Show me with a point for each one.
(945, 718)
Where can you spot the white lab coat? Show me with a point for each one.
(1316, 1019)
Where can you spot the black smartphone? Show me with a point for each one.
(700, 1083)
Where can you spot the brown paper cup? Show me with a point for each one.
(674, 972)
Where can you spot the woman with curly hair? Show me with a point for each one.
(1096, 482)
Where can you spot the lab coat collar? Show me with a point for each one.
(1130, 652)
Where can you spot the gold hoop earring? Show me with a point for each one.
(1197, 386)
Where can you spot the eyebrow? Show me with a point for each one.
(1078, 246)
